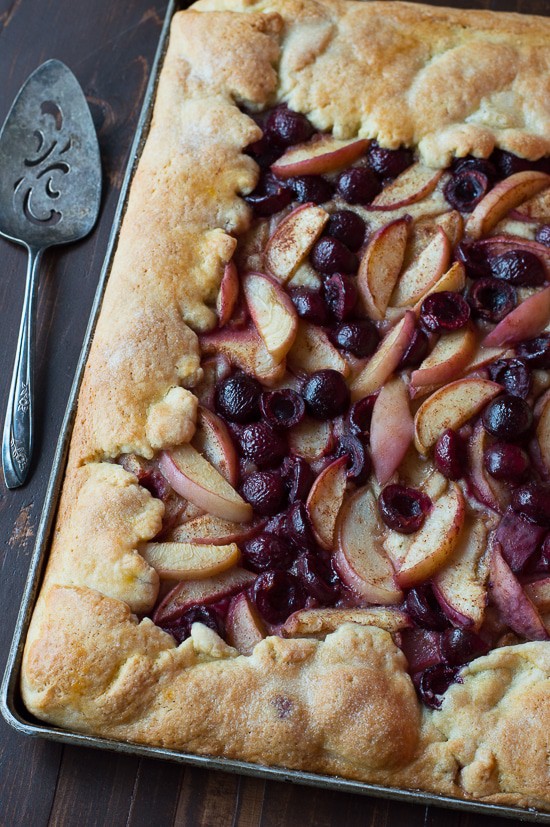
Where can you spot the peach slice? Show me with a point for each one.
(385, 359)
(325, 500)
(322, 155)
(272, 312)
(505, 196)
(485, 488)
(311, 439)
(524, 322)
(535, 210)
(414, 184)
(228, 294)
(293, 239)
(538, 593)
(448, 359)
(312, 350)
(186, 561)
(193, 477)
(246, 350)
(453, 280)
(244, 625)
(482, 357)
(208, 530)
(360, 559)
(450, 407)
(320, 622)
(424, 272)
(380, 266)
(436, 541)
(543, 433)
(391, 429)
(213, 441)
(516, 609)
(461, 585)
(189, 593)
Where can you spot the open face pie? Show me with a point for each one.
(306, 513)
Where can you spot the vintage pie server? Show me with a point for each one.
(50, 189)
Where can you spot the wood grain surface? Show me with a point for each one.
(110, 46)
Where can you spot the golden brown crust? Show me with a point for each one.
(397, 72)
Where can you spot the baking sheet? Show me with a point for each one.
(11, 705)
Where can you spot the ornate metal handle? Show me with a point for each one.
(17, 441)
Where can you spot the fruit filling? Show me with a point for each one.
(373, 436)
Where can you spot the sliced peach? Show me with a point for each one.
(193, 477)
(311, 439)
(543, 433)
(535, 210)
(272, 312)
(190, 593)
(538, 593)
(246, 350)
(505, 196)
(208, 530)
(293, 239)
(453, 281)
(380, 266)
(228, 294)
(516, 608)
(319, 156)
(385, 360)
(325, 500)
(448, 359)
(483, 356)
(489, 491)
(424, 272)
(320, 622)
(213, 441)
(391, 430)
(244, 626)
(524, 322)
(450, 407)
(312, 350)
(414, 184)
(186, 561)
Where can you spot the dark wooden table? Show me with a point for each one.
(110, 46)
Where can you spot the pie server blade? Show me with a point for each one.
(50, 189)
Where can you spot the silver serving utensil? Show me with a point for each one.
(50, 189)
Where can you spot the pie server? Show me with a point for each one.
(50, 189)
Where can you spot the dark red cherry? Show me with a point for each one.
(298, 477)
(286, 128)
(424, 609)
(416, 351)
(269, 197)
(261, 444)
(543, 235)
(238, 398)
(507, 417)
(358, 185)
(315, 578)
(277, 594)
(474, 258)
(359, 461)
(479, 164)
(310, 188)
(388, 163)
(460, 646)
(298, 526)
(506, 462)
(309, 304)
(403, 509)
(514, 376)
(491, 299)
(207, 615)
(340, 295)
(533, 502)
(434, 682)
(265, 491)
(360, 414)
(331, 256)
(267, 551)
(536, 352)
(359, 338)
(465, 189)
(450, 455)
(508, 164)
(283, 408)
(444, 311)
(326, 394)
(347, 227)
(521, 268)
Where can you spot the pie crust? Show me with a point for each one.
(447, 82)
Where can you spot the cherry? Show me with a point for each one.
(359, 462)
(298, 477)
(508, 164)
(543, 235)
(359, 338)
(521, 268)
(514, 376)
(507, 417)
(424, 609)
(326, 394)
(360, 414)
(449, 455)
(491, 299)
(332, 256)
(283, 408)
(238, 398)
(267, 551)
(460, 646)
(479, 164)
(358, 185)
(444, 311)
(506, 462)
(533, 502)
(181, 628)
(388, 163)
(286, 128)
(536, 352)
(315, 578)
(309, 304)
(340, 295)
(474, 258)
(434, 682)
(298, 526)
(403, 509)
(312, 188)
(347, 227)
(265, 492)
(277, 594)
(261, 444)
(269, 197)
(416, 351)
(465, 189)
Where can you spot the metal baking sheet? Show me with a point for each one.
(11, 704)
